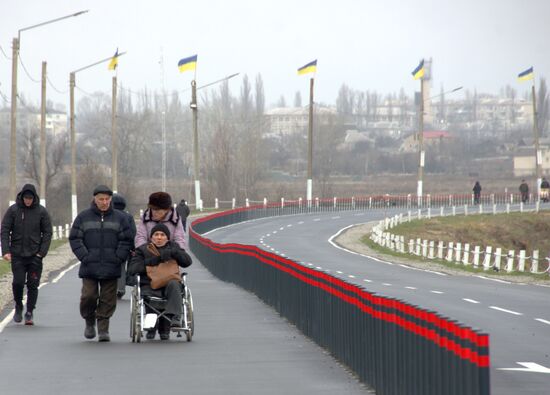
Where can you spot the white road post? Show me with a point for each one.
(476, 257)
(487, 258)
(466, 255)
(498, 256)
(450, 247)
(510, 261)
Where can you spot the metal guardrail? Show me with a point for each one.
(394, 346)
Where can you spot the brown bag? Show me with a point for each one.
(162, 273)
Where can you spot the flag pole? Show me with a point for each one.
(538, 153)
(309, 195)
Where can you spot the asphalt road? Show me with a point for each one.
(517, 316)
(241, 346)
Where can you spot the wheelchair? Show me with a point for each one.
(140, 321)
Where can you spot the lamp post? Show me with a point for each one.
(194, 109)
(13, 118)
(421, 152)
(72, 84)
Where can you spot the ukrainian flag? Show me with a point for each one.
(526, 75)
(189, 63)
(419, 71)
(311, 67)
(114, 61)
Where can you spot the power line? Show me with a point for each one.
(4, 97)
(26, 71)
(4, 53)
(54, 88)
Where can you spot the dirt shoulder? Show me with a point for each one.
(351, 240)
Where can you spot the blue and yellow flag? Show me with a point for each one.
(114, 61)
(419, 71)
(311, 67)
(189, 63)
(526, 75)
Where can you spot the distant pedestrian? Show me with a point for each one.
(477, 192)
(119, 203)
(544, 190)
(101, 240)
(26, 234)
(524, 190)
(183, 211)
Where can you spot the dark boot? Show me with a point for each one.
(28, 318)
(103, 330)
(89, 332)
(18, 315)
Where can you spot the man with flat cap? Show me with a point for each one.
(101, 239)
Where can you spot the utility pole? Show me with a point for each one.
(42, 177)
(419, 191)
(310, 146)
(114, 138)
(538, 153)
(196, 172)
(74, 209)
(13, 121)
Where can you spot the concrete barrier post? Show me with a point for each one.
(233, 203)
(67, 231)
(476, 257)
(417, 247)
(450, 249)
(521, 265)
(458, 252)
(521, 207)
(402, 240)
(510, 261)
(440, 247)
(441, 211)
(498, 256)
(487, 258)
(247, 202)
(60, 231)
(411, 246)
(216, 204)
(429, 212)
(431, 250)
(466, 255)
(425, 248)
(465, 209)
(537, 206)
(535, 262)
(480, 208)
(454, 211)
(54, 233)
(450, 200)
(334, 203)
(419, 213)
(494, 209)
(507, 208)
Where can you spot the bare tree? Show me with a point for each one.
(543, 107)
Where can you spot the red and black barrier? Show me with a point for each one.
(393, 346)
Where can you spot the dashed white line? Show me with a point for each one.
(351, 276)
(300, 223)
(493, 279)
(367, 280)
(282, 228)
(358, 215)
(274, 231)
(267, 235)
(317, 219)
(436, 292)
(337, 217)
(543, 321)
(289, 226)
(470, 301)
(505, 310)
(318, 268)
(339, 272)
(387, 284)
(411, 287)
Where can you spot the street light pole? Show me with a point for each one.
(538, 152)
(196, 176)
(13, 117)
(419, 186)
(114, 139)
(42, 177)
(309, 192)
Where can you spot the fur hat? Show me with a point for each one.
(160, 227)
(160, 200)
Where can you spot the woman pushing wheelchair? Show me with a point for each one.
(146, 263)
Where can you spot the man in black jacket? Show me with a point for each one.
(26, 236)
(119, 203)
(184, 211)
(101, 239)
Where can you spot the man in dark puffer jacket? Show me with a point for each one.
(101, 239)
(26, 237)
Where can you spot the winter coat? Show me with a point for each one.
(477, 188)
(524, 188)
(119, 203)
(183, 210)
(172, 220)
(26, 231)
(144, 257)
(101, 241)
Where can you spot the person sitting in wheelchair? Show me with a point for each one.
(146, 255)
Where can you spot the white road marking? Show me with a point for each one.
(317, 219)
(529, 367)
(360, 214)
(274, 232)
(543, 321)
(351, 276)
(289, 226)
(387, 284)
(310, 264)
(504, 310)
(282, 228)
(337, 217)
(349, 251)
(367, 281)
(300, 223)
(339, 272)
(411, 287)
(318, 268)
(267, 235)
(470, 300)
(437, 292)
(493, 279)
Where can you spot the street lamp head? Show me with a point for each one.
(81, 12)
(457, 89)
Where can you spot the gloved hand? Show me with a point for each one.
(153, 261)
(165, 254)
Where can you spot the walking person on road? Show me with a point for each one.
(183, 211)
(524, 190)
(477, 192)
(119, 203)
(101, 240)
(26, 235)
(160, 210)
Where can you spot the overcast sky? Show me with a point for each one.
(367, 44)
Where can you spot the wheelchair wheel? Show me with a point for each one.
(135, 318)
(188, 305)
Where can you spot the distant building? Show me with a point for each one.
(524, 159)
(431, 138)
(56, 121)
(290, 120)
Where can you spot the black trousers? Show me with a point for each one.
(26, 270)
(172, 293)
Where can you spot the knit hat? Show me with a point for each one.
(160, 200)
(103, 189)
(160, 227)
